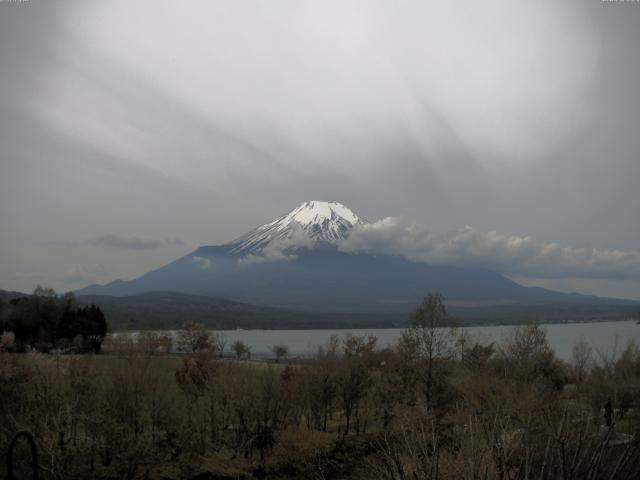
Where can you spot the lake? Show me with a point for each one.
(605, 337)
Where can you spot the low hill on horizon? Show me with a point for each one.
(163, 310)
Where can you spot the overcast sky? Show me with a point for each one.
(133, 132)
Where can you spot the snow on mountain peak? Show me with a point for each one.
(310, 222)
(316, 212)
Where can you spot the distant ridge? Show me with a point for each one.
(7, 296)
(170, 310)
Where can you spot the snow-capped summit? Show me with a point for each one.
(313, 220)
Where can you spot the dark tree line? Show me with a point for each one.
(46, 320)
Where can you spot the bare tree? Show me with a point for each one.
(240, 348)
(525, 341)
(434, 336)
(280, 351)
(354, 378)
(581, 357)
(195, 337)
(221, 343)
(527, 356)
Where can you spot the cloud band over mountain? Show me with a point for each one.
(509, 254)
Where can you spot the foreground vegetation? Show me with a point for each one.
(436, 405)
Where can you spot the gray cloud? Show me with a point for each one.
(73, 278)
(112, 240)
(526, 122)
(63, 243)
(175, 241)
(513, 255)
(83, 275)
(121, 241)
(510, 254)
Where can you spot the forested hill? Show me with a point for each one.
(6, 296)
(170, 310)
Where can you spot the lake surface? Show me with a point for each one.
(605, 337)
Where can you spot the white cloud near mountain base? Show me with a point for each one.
(508, 254)
(280, 249)
(202, 262)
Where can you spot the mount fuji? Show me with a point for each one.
(294, 263)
